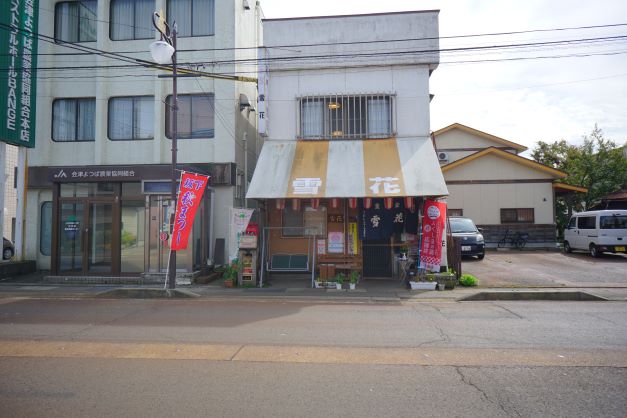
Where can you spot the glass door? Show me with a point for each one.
(99, 234)
(71, 238)
(86, 231)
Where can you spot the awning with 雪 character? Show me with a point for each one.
(347, 169)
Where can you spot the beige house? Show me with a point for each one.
(500, 190)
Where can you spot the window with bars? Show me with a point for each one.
(455, 212)
(346, 117)
(517, 216)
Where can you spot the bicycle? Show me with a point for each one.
(518, 240)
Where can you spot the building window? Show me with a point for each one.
(131, 118)
(346, 117)
(455, 212)
(45, 229)
(195, 116)
(75, 21)
(292, 222)
(193, 17)
(74, 120)
(517, 216)
(131, 19)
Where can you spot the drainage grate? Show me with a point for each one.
(522, 296)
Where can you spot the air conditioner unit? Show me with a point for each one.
(443, 156)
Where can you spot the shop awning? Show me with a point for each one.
(347, 168)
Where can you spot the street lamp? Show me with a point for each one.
(164, 52)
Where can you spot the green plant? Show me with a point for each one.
(127, 239)
(468, 280)
(339, 278)
(230, 270)
(353, 277)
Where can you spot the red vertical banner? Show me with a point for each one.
(191, 190)
(433, 221)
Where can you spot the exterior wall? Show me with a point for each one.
(459, 144)
(405, 76)
(493, 167)
(483, 202)
(234, 27)
(409, 84)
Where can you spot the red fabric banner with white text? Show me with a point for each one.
(433, 220)
(190, 195)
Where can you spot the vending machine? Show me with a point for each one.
(247, 257)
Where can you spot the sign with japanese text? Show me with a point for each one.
(335, 218)
(433, 223)
(240, 218)
(353, 240)
(18, 63)
(336, 242)
(190, 195)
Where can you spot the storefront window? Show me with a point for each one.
(87, 189)
(292, 222)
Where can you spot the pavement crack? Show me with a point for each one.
(444, 338)
(241, 347)
(510, 311)
(468, 381)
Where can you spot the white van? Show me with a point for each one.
(597, 231)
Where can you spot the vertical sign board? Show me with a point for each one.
(18, 63)
(433, 223)
(190, 195)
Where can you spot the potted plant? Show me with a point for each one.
(339, 281)
(427, 282)
(353, 279)
(230, 274)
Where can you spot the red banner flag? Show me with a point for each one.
(190, 194)
(433, 220)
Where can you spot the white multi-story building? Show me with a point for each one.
(99, 175)
(346, 109)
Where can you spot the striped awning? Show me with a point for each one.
(347, 168)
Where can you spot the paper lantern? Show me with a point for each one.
(280, 204)
(315, 203)
(367, 202)
(352, 202)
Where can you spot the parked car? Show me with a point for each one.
(597, 231)
(7, 249)
(471, 237)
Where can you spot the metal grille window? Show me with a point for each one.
(346, 117)
(455, 212)
(517, 216)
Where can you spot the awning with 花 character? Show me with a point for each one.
(347, 168)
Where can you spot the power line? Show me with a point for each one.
(134, 62)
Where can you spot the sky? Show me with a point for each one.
(521, 100)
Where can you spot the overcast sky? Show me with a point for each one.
(520, 100)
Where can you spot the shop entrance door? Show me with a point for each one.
(377, 259)
(86, 231)
(159, 227)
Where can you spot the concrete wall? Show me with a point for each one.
(405, 75)
(454, 140)
(494, 167)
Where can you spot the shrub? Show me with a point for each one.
(468, 280)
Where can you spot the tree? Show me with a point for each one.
(598, 164)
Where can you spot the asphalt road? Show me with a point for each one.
(268, 358)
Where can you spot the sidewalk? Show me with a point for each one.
(297, 288)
